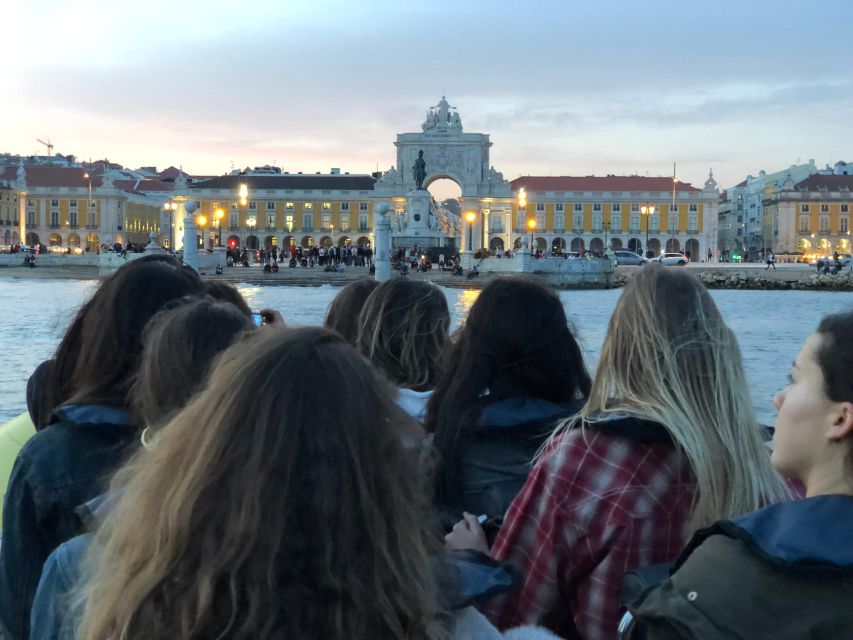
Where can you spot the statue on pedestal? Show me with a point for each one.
(419, 170)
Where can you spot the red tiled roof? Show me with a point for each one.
(171, 172)
(741, 184)
(144, 185)
(290, 181)
(49, 176)
(598, 183)
(830, 183)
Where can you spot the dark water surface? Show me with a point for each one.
(770, 325)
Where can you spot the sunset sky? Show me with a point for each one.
(562, 87)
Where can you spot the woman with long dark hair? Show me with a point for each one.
(516, 371)
(68, 462)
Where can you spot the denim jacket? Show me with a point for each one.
(61, 467)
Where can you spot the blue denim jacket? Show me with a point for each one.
(61, 467)
(56, 614)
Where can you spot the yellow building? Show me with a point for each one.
(811, 217)
(263, 210)
(68, 209)
(626, 212)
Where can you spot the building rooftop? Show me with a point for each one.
(822, 182)
(290, 181)
(599, 183)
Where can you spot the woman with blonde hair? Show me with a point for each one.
(666, 443)
(785, 571)
(403, 332)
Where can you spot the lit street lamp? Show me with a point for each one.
(531, 224)
(470, 217)
(202, 222)
(170, 206)
(648, 211)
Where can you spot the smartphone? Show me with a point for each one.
(257, 318)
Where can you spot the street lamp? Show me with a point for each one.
(219, 215)
(170, 206)
(470, 216)
(648, 211)
(606, 226)
(202, 222)
(531, 224)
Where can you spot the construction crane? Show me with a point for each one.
(47, 144)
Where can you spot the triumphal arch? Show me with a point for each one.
(443, 150)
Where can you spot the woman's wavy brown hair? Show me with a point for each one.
(279, 503)
(403, 330)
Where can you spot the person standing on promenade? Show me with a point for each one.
(667, 443)
(64, 464)
(785, 571)
(517, 371)
(771, 261)
(403, 332)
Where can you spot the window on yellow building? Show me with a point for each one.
(824, 224)
(540, 206)
(843, 224)
(559, 206)
(692, 223)
(693, 208)
(308, 206)
(596, 207)
(804, 208)
(577, 222)
(270, 206)
(344, 206)
(615, 208)
(362, 206)
(578, 206)
(559, 222)
(253, 205)
(327, 206)
(844, 208)
(804, 224)
(345, 221)
(824, 208)
(288, 205)
(288, 222)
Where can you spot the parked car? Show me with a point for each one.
(678, 259)
(629, 258)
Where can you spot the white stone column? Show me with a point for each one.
(22, 216)
(382, 242)
(190, 241)
(486, 227)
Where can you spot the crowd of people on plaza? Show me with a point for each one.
(193, 475)
(331, 258)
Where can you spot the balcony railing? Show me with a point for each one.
(91, 226)
(597, 230)
(559, 229)
(616, 230)
(363, 228)
(73, 226)
(53, 226)
(577, 230)
(672, 231)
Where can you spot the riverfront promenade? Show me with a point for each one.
(785, 273)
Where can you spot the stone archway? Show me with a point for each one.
(673, 245)
(54, 240)
(635, 245)
(577, 245)
(233, 242)
(307, 242)
(74, 241)
(288, 242)
(558, 244)
(7, 237)
(270, 242)
(93, 243)
(596, 245)
(691, 247)
(325, 241)
(32, 238)
(516, 244)
(541, 244)
(654, 246)
(496, 244)
(344, 241)
(616, 244)
(364, 242)
(252, 242)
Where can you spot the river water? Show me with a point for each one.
(770, 325)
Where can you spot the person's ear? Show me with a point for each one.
(843, 426)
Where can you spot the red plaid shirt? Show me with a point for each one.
(593, 508)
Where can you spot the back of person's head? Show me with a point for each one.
(403, 331)
(101, 348)
(516, 342)
(39, 386)
(345, 309)
(259, 512)
(180, 345)
(669, 357)
(226, 293)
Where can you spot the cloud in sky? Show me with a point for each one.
(562, 87)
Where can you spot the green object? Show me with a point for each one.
(13, 435)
